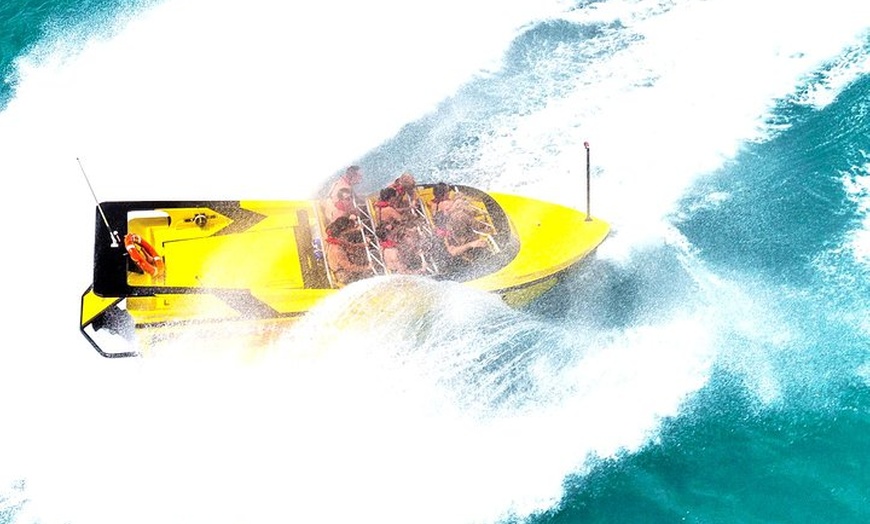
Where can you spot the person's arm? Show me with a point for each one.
(340, 260)
(458, 250)
(332, 212)
(394, 262)
(333, 191)
(391, 214)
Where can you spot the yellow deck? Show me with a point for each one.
(552, 238)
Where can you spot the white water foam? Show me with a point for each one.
(858, 188)
(344, 418)
(681, 88)
(162, 110)
(212, 100)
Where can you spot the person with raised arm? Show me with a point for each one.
(341, 197)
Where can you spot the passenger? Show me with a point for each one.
(341, 198)
(461, 237)
(441, 206)
(441, 198)
(406, 189)
(337, 251)
(390, 249)
(342, 206)
(349, 180)
(385, 208)
(411, 247)
(402, 248)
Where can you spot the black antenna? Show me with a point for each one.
(112, 234)
(588, 186)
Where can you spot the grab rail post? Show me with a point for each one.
(588, 185)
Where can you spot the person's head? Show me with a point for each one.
(407, 181)
(353, 175)
(408, 237)
(440, 190)
(390, 232)
(461, 226)
(462, 206)
(382, 231)
(388, 194)
(344, 195)
(340, 225)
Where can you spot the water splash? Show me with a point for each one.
(408, 415)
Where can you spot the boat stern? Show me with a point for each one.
(107, 325)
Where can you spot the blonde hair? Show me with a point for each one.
(407, 180)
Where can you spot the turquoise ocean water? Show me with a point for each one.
(710, 364)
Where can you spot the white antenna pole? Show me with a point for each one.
(588, 185)
(112, 234)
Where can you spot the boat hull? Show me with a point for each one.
(247, 270)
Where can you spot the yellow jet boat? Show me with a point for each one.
(165, 269)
